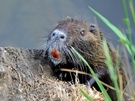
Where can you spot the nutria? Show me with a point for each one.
(87, 40)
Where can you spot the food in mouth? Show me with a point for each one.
(55, 53)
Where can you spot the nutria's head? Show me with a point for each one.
(66, 34)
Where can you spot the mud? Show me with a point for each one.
(25, 76)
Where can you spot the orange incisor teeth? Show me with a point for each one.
(55, 53)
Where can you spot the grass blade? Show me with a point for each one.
(132, 10)
(126, 20)
(94, 76)
(114, 29)
(130, 48)
(86, 95)
(111, 68)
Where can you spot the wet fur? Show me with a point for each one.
(88, 45)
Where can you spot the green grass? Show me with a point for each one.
(86, 95)
(122, 37)
(94, 76)
(132, 10)
(126, 41)
(111, 68)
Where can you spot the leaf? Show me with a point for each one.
(94, 76)
(86, 95)
(115, 30)
(126, 21)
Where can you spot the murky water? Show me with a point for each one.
(26, 23)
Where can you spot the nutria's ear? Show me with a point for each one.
(92, 28)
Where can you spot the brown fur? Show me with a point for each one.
(89, 45)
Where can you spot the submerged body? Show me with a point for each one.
(87, 40)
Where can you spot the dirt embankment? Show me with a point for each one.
(25, 76)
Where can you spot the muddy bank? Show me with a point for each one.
(25, 75)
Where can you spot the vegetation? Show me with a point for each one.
(125, 40)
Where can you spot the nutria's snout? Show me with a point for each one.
(58, 35)
(56, 46)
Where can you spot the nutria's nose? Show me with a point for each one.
(58, 35)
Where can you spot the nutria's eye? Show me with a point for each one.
(53, 34)
(82, 32)
(92, 28)
(62, 37)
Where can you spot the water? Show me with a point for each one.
(25, 23)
